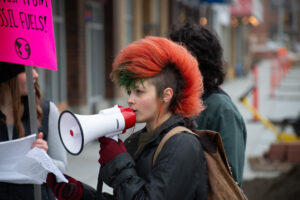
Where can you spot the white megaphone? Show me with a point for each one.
(75, 131)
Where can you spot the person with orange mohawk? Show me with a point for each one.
(164, 89)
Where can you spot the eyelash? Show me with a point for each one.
(137, 91)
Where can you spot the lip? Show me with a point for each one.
(134, 110)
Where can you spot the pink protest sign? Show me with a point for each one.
(26, 33)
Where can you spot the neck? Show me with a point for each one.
(151, 126)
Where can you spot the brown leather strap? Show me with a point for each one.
(177, 129)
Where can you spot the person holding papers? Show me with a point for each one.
(14, 124)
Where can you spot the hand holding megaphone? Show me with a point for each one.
(75, 131)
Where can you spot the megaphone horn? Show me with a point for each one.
(76, 131)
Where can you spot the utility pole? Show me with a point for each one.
(33, 119)
(280, 5)
(294, 7)
(280, 20)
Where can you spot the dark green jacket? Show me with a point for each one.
(221, 115)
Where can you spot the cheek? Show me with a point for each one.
(22, 83)
(148, 108)
(22, 77)
(22, 80)
(23, 88)
(148, 105)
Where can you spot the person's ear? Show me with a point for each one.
(167, 95)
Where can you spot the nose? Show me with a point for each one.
(35, 74)
(130, 100)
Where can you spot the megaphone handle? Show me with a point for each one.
(99, 186)
(115, 137)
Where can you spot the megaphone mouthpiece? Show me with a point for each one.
(129, 117)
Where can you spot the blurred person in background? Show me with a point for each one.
(220, 114)
(15, 123)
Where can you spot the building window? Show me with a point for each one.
(157, 17)
(129, 22)
(53, 83)
(94, 17)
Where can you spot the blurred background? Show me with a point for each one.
(89, 33)
(261, 42)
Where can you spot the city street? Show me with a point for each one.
(79, 54)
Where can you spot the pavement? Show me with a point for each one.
(286, 103)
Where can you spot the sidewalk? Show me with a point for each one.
(85, 167)
(286, 103)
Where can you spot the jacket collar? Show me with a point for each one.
(131, 143)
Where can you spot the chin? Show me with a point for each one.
(139, 120)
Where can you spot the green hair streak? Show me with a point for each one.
(127, 79)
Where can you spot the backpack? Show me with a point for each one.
(221, 184)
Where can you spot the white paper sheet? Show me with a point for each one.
(37, 164)
(19, 164)
(12, 152)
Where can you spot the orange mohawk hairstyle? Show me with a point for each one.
(146, 58)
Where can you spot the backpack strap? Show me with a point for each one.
(210, 140)
(174, 131)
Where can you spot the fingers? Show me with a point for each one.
(40, 143)
(107, 140)
(51, 180)
(40, 135)
(104, 140)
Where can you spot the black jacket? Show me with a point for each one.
(179, 171)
